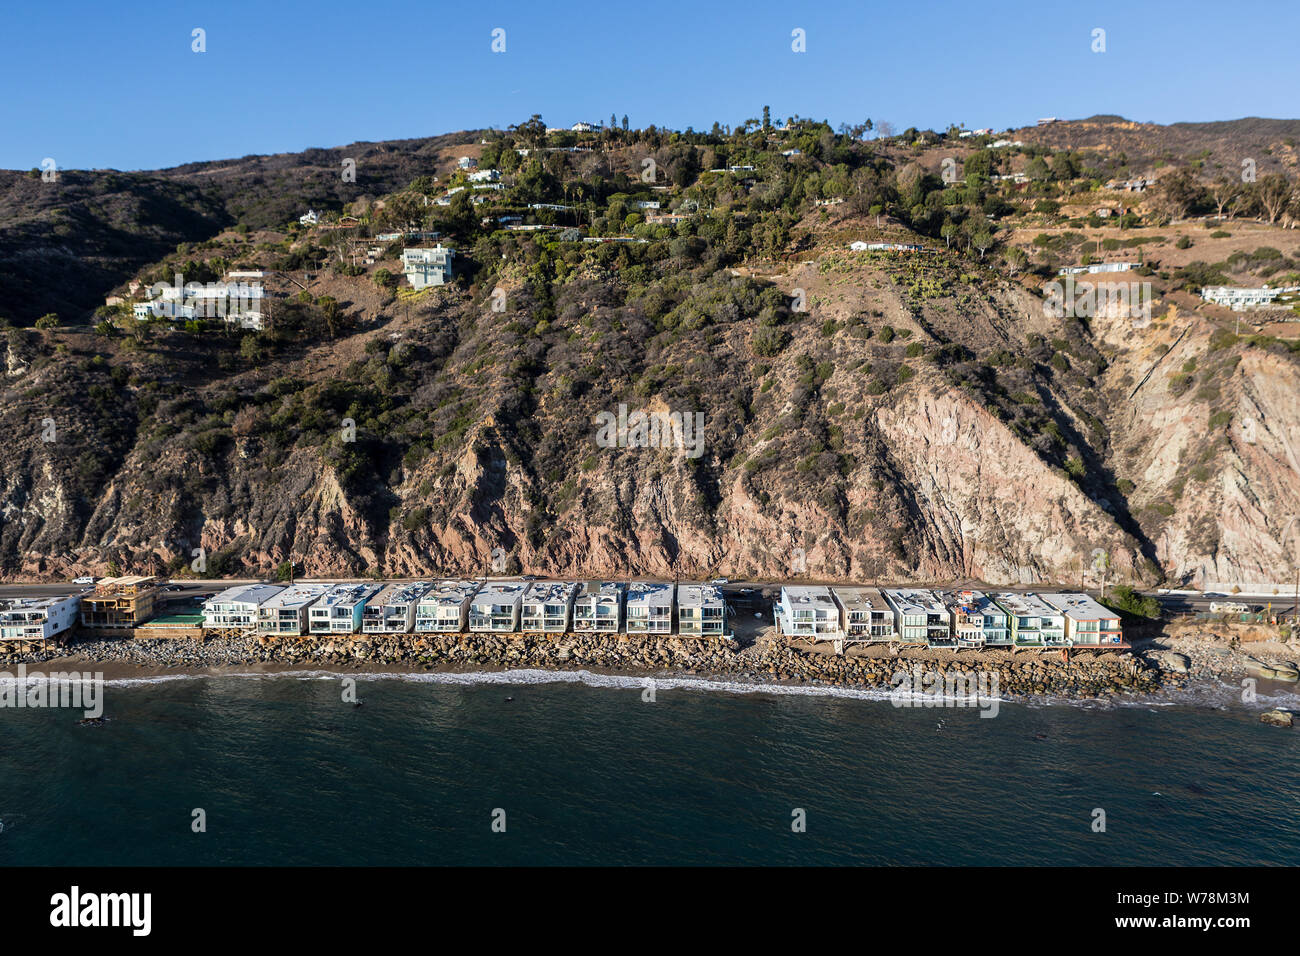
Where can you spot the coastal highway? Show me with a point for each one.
(737, 592)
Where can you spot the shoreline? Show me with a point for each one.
(1164, 667)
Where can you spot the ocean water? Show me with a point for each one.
(588, 772)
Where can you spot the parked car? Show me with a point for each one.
(84, 579)
(720, 581)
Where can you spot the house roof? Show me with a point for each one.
(450, 593)
(699, 595)
(254, 594)
(296, 596)
(402, 592)
(1079, 607)
(600, 591)
(1025, 605)
(550, 592)
(651, 593)
(802, 595)
(494, 591)
(915, 601)
(348, 595)
(861, 599)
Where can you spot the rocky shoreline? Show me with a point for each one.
(1167, 663)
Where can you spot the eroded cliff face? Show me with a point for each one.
(962, 444)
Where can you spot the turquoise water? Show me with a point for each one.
(290, 774)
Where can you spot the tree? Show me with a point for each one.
(981, 239)
(1273, 192)
(1223, 191)
(1175, 194)
(767, 119)
(50, 320)
(532, 132)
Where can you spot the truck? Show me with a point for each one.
(1228, 607)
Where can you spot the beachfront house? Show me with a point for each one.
(338, 611)
(546, 607)
(598, 607)
(121, 602)
(444, 609)
(285, 614)
(1034, 622)
(809, 612)
(649, 608)
(236, 607)
(920, 617)
(701, 611)
(427, 267)
(392, 610)
(1087, 623)
(977, 621)
(37, 619)
(864, 615)
(496, 607)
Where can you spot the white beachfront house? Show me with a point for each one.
(339, 609)
(546, 606)
(427, 267)
(808, 611)
(286, 612)
(392, 610)
(496, 607)
(920, 617)
(37, 619)
(701, 611)
(236, 607)
(598, 607)
(1087, 623)
(864, 615)
(1034, 622)
(649, 608)
(445, 608)
(977, 621)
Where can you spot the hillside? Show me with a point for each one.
(874, 415)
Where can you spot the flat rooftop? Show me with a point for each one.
(255, 594)
(550, 592)
(860, 599)
(809, 596)
(915, 601)
(33, 603)
(1080, 607)
(698, 595)
(450, 593)
(1025, 605)
(601, 590)
(977, 600)
(296, 596)
(347, 595)
(497, 591)
(650, 593)
(402, 592)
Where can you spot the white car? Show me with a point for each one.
(84, 579)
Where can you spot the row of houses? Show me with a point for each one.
(501, 607)
(945, 619)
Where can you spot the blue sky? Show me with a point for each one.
(93, 85)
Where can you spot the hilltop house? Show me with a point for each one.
(392, 610)
(701, 611)
(584, 127)
(920, 617)
(339, 609)
(427, 267)
(37, 619)
(1241, 299)
(496, 607)
(597, 607)
(445, 608)
(809, 612)
(286, 612)
(237, 607)
(1034, 623)
(1097, 267)
(977, 620)
(466, 162)
(546, 607)
(484, 176)
(1087, 623)
(864, 616)
(649, 608)
(310, 218)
